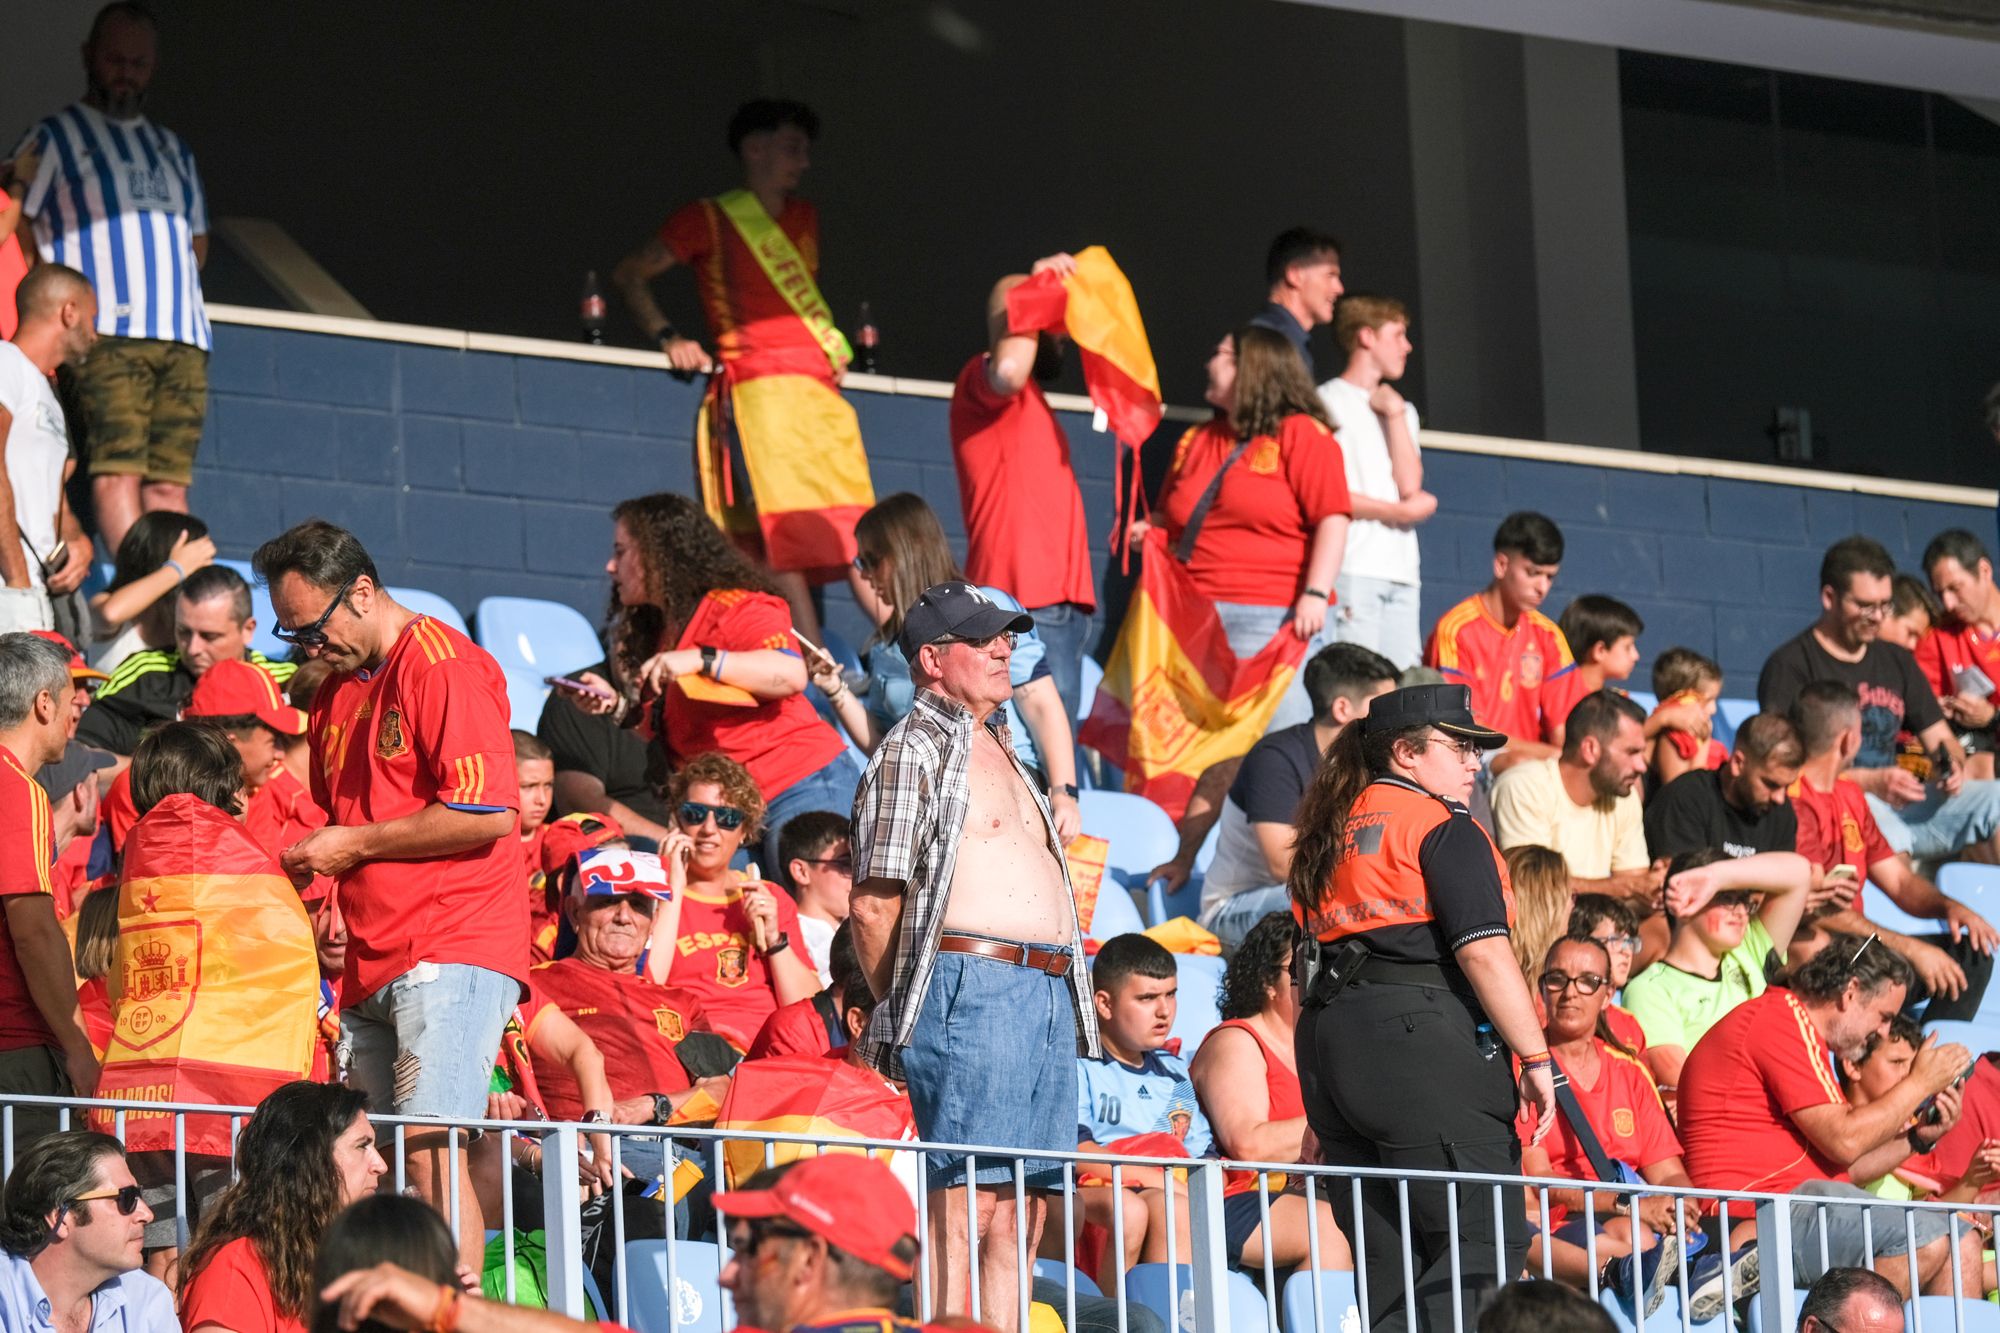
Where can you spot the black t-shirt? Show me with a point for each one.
(608, 752)
(1690, 815)
(1894, 694)
(1274, 775)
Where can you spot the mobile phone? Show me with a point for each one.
(1928, 1113)
(1969, 679)
(581, 687)
(1843, 871)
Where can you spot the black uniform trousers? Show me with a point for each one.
(1392, 1076)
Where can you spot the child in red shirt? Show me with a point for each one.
(1684, 682)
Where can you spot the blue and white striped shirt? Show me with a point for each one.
(120, 202)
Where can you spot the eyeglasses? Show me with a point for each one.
(127, 1196)
(314, 635)
(843, 864)
(1586, 983)
(694, 814)
(978, 645)
(1626, 942)
(1873, 610)
(1462, 749)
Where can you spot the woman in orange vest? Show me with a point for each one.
(1411, 1000)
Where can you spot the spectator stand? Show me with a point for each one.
(531, 640)
(1666, 1319)
(1336, 1310)
(1141, 835)
(1162, 906)
(1198, 1008)
(1168, 1291)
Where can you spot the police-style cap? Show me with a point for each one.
(1446, 707)
(957, 610)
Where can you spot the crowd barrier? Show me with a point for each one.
(672, 1284)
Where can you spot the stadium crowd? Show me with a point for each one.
(727, 882)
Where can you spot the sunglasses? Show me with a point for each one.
(865, 562)
(1586, 983)
(314, 635)
(844, 864)
(127, 1196)
(978, 645)
(694, 814)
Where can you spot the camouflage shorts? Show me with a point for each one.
(143, 404)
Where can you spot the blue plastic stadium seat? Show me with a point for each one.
(1196, 1012)
(1087, 682)
(1881, 909)
(697, 1302)
(1141, 836)
(843, 651)
(1666, 1319)
(1337, 1313)
(1115, 914)
(526, 697)
(1978, 1036)
(1168, 1291)
(1731, 714)
(1755, 1324)
(1053, 1271)
(1939, 1314)
(429, 604)
(1646, 699)
(263, 640)
(1186, 900)
(536, 637)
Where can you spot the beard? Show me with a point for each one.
(124, 103)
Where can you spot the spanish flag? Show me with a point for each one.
(214, 993)
(824, 1096)
(1095, 306)
(1174, 699)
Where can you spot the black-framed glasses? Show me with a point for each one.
(314, 635)
(1586, 983)
(694, 814)
(127, 1195)
(844, 864)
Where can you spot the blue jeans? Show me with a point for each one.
(1065, 629)
(1378, 615)
(831, 788)
(1231, 919)
(1249, 627)
(424, 1044)
(992, 1063)
(1938, 826)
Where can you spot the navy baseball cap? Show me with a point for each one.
(957, 610)
(1446, 707)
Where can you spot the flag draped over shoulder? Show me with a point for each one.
(214, 994)
(1174, 699)
(827, 1098)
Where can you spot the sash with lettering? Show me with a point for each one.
(1174, 699)
(795, 438)
(214, 994)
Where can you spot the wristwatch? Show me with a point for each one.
(779, 945)
(663, 1108)
(1068, 789)
(595, 1118)
(708, 655)
(665, 334)
(1314, 592)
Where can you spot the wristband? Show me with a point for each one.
(1538, 1058)
(779, 945)
(1917, 1144)
(1314, 592)
(666, 333)
(444, 1319)
(720, 659)
(175, 565)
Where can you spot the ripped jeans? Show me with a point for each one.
(424, 1044)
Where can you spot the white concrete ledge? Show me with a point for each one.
(1580, 454)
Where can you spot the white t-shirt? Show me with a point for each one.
(1374, 550)
(1239, 864)
(817, 936)
(37, 448)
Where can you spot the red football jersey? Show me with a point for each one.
(713, 958)
(116, 812)
(635, 1023)
(427, 727)
(756, 331)
(1624, 1111)
(1521, 678)
(1760, 1063)
(27, 848)
(1949, 646)
(280, 814)
(1837, 828)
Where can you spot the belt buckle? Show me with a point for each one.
(1057, 964)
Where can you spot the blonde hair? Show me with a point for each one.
(1541, 905)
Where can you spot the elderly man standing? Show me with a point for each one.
(72, 1223)
(964, 919)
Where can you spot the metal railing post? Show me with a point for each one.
(1207, 1246)
(562, 1202)
(1774, 1260)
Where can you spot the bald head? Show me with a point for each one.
(46, 289)
(58, 314)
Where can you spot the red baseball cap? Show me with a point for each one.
(244, 689)
(852, 1201)
(78, 668)
(564, 838)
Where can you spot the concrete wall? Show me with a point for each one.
(475, 474)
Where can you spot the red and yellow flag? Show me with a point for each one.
(214, 994)
(1095, 306)
(1174, 699)
(826, 1097)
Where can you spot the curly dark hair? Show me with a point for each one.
(738, 788)
(1259, 964)
(685, 558)
(286, 1191)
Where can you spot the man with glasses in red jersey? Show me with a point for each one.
(414, 765)
(964, 919)
(72, 1228)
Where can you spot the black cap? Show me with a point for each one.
(957, 610)
(66, 774)
(1446, 707)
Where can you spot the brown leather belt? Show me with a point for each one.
(1052, 961)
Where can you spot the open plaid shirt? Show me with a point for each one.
(908, 814)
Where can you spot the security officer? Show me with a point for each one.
(1412, 998)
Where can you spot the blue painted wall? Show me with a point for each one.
(477, 474)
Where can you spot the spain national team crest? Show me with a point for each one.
(670, 1024)
(731, 966)
(390, 742)
(1623, 1122)
(1850, 835)
(1531, 669)
(1264, 458)
(162, 975)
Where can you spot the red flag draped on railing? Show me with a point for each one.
(214, 995)
(1174, 699)
(826, 1097)
(1096, 308)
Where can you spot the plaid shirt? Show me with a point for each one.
(908, 814)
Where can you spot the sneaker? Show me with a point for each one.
(1705, 1282)
(1657, 1269)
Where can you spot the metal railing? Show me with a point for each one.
(668, 1299)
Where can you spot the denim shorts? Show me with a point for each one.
(1856, 1225)
(424, 1044)
(992, 1063)
(1938, 826)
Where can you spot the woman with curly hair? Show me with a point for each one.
(307, 1153)
(702, 647)
(739, 946)
(1247, 1082)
